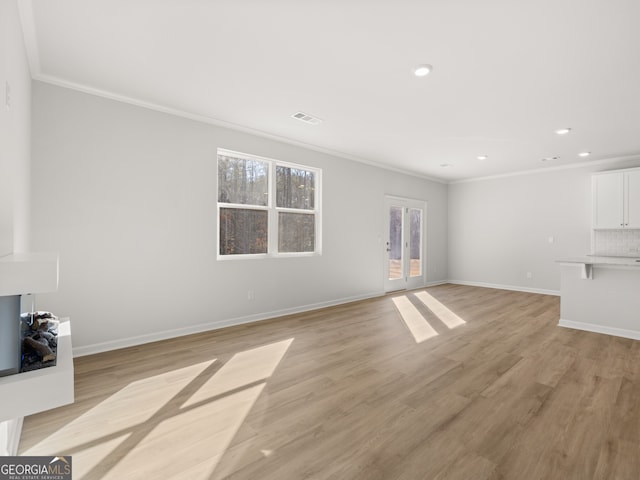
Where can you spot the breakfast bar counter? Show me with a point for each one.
(601, 294)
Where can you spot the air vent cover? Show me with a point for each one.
(303, 117)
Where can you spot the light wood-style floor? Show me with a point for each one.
(350, 392)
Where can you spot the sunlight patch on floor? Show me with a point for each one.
(414, 320)
(133, 405)
(175, 425)
(447, 317)
(98, 454)
(194, 439)
(244, 368)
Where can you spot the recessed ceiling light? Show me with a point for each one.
(548, 159)
(584, 154)
(482, 157)
(563, 131)
(445, 165)
(422, 70)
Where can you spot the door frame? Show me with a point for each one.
(406, 282)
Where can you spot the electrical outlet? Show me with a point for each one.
(250, 295)
(529, 275)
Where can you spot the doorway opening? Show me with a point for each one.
(404, 243)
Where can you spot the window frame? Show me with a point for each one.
(272, 209)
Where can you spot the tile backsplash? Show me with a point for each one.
(623, 243)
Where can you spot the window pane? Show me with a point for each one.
(395, 243)
(295, 188)
(242, 180)
(296, 232)
(415, 241)
(243, 231)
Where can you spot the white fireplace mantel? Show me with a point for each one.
(22, 273)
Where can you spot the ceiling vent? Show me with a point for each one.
(303, 117)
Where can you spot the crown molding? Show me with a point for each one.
(571, 166)
(221, 123)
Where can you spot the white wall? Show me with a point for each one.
(15, 142)
(499, 228)
(14, 133)
(128, 197)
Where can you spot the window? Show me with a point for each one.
(266, 207)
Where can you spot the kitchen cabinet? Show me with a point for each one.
(616, 199)
(633, 199)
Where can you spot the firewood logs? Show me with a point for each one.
(39, 340)
(42, 348)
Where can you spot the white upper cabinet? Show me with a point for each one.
(608, 200)
(616, 199)
(632, 205)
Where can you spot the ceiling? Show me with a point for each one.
(507, 73)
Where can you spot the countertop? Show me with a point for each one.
(600, 260)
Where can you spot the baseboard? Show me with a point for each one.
(205, 327)
(591, 327)
(514, 288)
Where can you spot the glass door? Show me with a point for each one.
(404, 243)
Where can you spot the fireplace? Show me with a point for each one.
(10, 356)
(23, 275)
(28, 338)
(38, 339)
